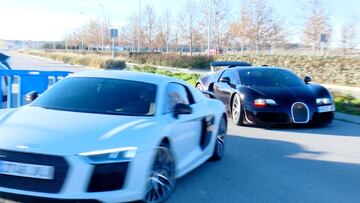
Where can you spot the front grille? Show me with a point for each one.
(33, 184)
(300, 112)
(272, 117)
(108, 177)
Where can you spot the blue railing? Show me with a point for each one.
(21, 82)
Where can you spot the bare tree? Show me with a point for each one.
(160, 38)
(167, 25)
(240, 31)
(188, 22)
(92, 34)
(263, 23)
(257, 25)
(277, 35)
(349, 35)
(317, 24)
(220, 19)
(131, 32)
(150, 25)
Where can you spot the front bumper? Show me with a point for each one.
(33, 199)
(281, 117)
(75, 186)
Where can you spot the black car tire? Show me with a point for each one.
(219, 148)
(237, 110)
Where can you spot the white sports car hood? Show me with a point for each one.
(39, 130)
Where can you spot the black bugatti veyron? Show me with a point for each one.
(266, 95)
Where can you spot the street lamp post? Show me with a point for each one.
(82, 35)
(209, 29)
(139, 28)
(102, 27)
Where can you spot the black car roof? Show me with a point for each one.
(229, 63)
(258, 67)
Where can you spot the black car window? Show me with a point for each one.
(269, 77)
(100, 95)
(175, 94)
(233, 75)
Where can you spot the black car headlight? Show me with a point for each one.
(110, 155)
(323, 101)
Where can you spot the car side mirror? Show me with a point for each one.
(209, 94)
(225, 80)
(307, 79)
(181, 109)
(31, 96)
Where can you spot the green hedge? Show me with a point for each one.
(339, 70)
(113, 64)
(173, 60)
(347, 104)
(85, 60)
(190, 78)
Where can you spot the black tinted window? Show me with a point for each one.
(269, 77)
(175, 94)
(100, 95)
(234, 78)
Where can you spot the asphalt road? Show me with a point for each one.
(282, 165)
(25, 62)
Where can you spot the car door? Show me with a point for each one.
(185, 131)
(223, 90)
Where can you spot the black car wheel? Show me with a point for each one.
(161, 182)
(220, 141)
(237, 112)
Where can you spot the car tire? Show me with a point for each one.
(161, 181)
(237, 110)
(219, 149)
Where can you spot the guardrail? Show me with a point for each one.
(21, 82)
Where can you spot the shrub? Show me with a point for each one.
(347, 103)
(113, 64)
(339, 70)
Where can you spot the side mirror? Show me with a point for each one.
(181, 109)
(31, 96)
(307, 79)
(209, 94)
(225, 80)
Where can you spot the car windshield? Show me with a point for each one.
(269, 77)
(100, 95)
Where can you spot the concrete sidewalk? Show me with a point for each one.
(347, 118)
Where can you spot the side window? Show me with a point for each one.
(234, 77)
(175, 94)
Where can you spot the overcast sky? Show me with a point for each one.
(52, 19)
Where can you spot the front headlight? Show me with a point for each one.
(264, 102)
(323, 101)
(111, 155)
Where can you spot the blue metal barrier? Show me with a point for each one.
(21, 82)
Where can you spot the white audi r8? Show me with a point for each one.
(108, 136)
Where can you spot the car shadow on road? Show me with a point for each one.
(262, 170)
(337, 128)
